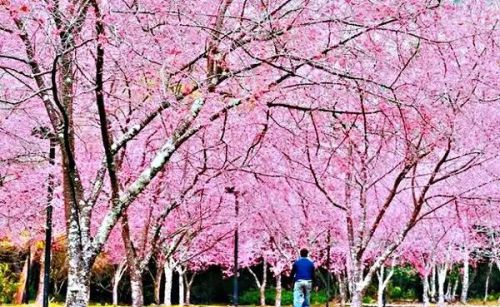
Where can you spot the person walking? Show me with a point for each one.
(303, 277)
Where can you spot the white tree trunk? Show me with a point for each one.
(115, 292)
(487, 282)
(78, 293)
(116, 280)
(442, 271)
(80, 261)
(169, 271)
(136, 288)
(262, 294)
(425, 294)
(454, 291)
(39, 291)
(261, 285)
(356, 298)
(433, 284)
(181, 272)
(465, 277)
(447, 296)
(188, 295)
(383, 281)
(189, 284)
(381, 288)
(342, 290)
(357, 281)
(277, 298)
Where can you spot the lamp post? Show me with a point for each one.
(48, 225)
(328, 242)
(45, 133)
(231, 190)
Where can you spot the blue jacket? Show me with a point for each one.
(303, 269)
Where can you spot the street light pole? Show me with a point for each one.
(328, 242)
(231, 190)
(45, 133)
(236, 242)
(48, 225)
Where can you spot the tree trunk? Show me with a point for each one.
(383, 281)
(78, 292)
(357, 281)
(342, 290)
(189, 284)
(454, 291)
(157, 281)
(181, 272)
(261, 285)
(116, 280)
(133, 264)
(380, 297)
(262, 290)
(169, 271)
(425, 292)
(23, 278)
(136, 287)
(447, 296)
(487, 282)
(115, 292)
(465, 278)
(433, 284)
(356, 298)
(41, 279)
(442, 270)
(188, 295)
(277, 298)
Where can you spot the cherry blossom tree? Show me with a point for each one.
(369, 117)
(78, 57)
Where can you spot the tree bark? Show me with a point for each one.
(116, 280)
(136, 288)
(169, 271)
(442, 271)
(381, 287)
(23, 278)
(425, 292)
(78, 293)
(465, 277)
(487, 282)
(356, 298)
(383, 281)
(41, 281)
(277, 298)
(454, 291)
(134, 267)
(447, 296)
(433, 284)
(157, 282)
(189, 284)
(181, 271)
(261, 285)
(356, 280)
(342, 290)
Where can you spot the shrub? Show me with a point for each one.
(252, 297)
(8, 284)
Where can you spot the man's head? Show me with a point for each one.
(304, 252)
